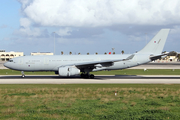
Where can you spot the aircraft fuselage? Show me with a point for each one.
(52, 63)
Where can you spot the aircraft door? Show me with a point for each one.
(46, 64)
(46, 61)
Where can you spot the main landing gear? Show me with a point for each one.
(23, 75)
(87, 75)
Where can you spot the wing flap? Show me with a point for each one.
(93, 63)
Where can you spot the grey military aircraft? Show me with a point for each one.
(71, 65)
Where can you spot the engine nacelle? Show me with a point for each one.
(68, 71)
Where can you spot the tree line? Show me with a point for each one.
(70, 53)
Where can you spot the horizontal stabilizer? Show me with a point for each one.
(157, 57)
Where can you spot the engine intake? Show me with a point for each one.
(68, 71)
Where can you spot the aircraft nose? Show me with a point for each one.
(6, 64)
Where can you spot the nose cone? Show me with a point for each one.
(6, 65)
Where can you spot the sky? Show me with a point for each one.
(86, 26)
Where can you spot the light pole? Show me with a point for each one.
(54, 42)
(113, 49)
(146, 38)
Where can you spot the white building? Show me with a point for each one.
(41, 53)
(5, 56)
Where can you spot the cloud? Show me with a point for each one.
(26, 30)
(3, 26)
(64, 32)
(25, 22)
(6, 39)
(25, 3)
(94, 13)
(89, 24)
(175, 29)
(82, 32)
(75, 41)
(135, 38)
(31, 32)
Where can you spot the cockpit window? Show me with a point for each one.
(10, 60)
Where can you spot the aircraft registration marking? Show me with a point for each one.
(159, 41)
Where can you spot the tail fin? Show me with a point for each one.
(156, 45)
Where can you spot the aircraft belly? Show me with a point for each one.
(119, 65)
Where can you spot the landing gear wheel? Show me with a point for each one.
(23, 75)
(82, 75)
(86, 75)
(91, 76)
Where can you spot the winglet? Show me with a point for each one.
(156, 45)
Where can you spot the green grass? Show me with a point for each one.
(113, 72)
(90, 101)
(14, 72)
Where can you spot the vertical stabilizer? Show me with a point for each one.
(156, 45)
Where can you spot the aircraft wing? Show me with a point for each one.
(93, 64)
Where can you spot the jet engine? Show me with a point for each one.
(68, 71)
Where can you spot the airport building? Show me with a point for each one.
(171, 57)
(41, 53)
(5, 56)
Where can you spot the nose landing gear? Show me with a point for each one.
(23, 75)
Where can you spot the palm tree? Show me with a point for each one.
(172, 53)
(122, 51)
(62, 52)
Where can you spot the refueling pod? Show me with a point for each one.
(68, 71)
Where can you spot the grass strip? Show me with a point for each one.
(87, 102)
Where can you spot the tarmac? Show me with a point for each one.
(112, 79)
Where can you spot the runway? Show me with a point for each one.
(101, 79)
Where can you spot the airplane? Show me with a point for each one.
(71, 65)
